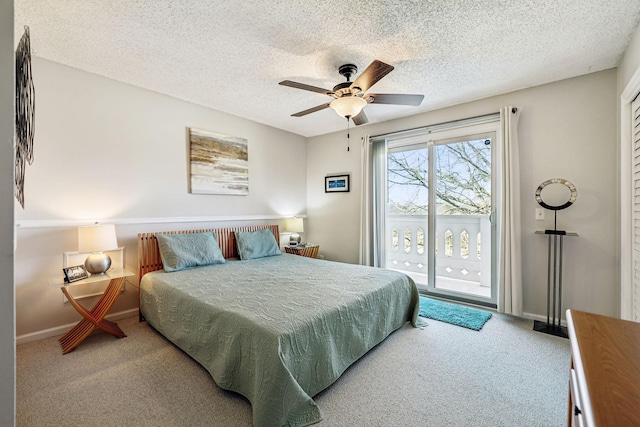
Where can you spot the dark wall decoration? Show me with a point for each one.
(25, 112)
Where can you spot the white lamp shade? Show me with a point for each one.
(294, 225)
(349, 106)
(97, 238)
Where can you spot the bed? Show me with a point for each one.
(276, 329)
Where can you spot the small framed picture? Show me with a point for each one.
(336, 183)
(75, 273)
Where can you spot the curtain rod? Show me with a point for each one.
(419, 128)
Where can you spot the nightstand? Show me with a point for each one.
(310, 251)
(95, 317)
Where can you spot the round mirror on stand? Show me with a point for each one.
(556, 194)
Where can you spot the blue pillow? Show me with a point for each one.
(256, 244)
(180, 251)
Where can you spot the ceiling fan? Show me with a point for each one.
(350, 98)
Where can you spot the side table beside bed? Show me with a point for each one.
(310, 251)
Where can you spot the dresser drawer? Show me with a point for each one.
(577, 419)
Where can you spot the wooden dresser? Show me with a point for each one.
(604, 381)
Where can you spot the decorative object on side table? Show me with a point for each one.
(336, 183)
(557, 198)
(307, 250)
(75, 273)
(96, 239)
(573, 195)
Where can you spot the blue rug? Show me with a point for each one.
(453, 313)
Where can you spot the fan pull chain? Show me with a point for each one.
(348, 140)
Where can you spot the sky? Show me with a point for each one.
(448, 164)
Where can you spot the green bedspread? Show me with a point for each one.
(278, 330)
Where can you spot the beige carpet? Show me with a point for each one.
(442, 375)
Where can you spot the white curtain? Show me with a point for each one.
(366, 204)
(510, 253)
(373, 189)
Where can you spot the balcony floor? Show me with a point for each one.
(454, 285)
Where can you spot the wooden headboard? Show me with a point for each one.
(149, 254)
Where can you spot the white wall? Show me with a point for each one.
(7, 315)
(630, 62)
(108, 150)
(567, 130)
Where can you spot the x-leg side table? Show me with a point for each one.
(95, 318)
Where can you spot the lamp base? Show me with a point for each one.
(295, 237)
(97, 263)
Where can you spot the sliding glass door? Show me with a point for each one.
(438, 219)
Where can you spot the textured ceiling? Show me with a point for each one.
(230, 55)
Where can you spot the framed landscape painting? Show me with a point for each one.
(219, 164)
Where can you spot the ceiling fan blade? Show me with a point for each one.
(395, 98)
(311, 110)
(360, 119)
(305, 87)
(374, 72)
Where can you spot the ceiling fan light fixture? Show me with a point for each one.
(348, 106)
(349, 98)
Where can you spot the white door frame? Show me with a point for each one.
(626, 198)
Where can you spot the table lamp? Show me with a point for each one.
(96, 239)
(294, 226)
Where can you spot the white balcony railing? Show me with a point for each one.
(463, 249)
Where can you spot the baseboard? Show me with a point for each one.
(61, 330)
(540, 318)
